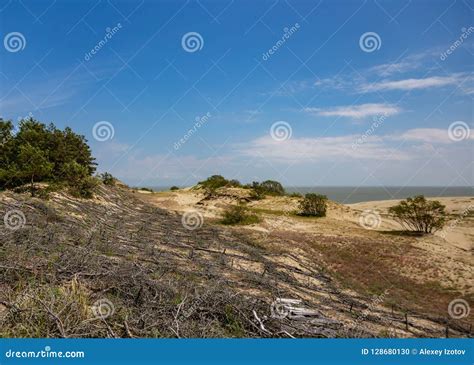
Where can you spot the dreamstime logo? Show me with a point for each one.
(458, 131)
(458, 308)
(14, 219)
(370, 42)
(370, 219)
(453, 224)
(7, 137)
(103, 131)
(103, 308)
(378, 121)
(109, 33)
(457, 43)
(281, 131)
(14, 42)
(291, 308)
(192, 220)
(288, 32)
(192, 42)
(199, 122)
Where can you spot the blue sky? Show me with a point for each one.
(358, 93)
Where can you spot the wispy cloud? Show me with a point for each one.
(301, 150)
(418, 145)
(356, 111)
(404, 64)
(428, 135)
(411, 84)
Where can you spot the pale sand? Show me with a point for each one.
(448, 252)
(459, 230)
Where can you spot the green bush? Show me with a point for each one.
(107, 179)
(213, 182)
(78, 181)
(173, 188)
(313, 205)
(217, 181)
(239, 214)
(268, 187)
(419, 215)
(84, 188)
(147, 189)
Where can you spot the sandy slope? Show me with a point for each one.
(445, 256)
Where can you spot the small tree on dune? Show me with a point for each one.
(314, 205)
(419, 215)
(34, 165)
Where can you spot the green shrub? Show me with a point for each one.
(239, 214)
(313, 205)
(147, 189)
(268, 187)
(295, 195)
(419, 215)
(173, 188)
(234, 183)
(255, 195)
(78, 181)
(213, 182)
(107, 179)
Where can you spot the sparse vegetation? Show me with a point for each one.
(268, 187)
(419, 215)
(239, 214)
(313, 205)
(108, 179)
(218, 181)
(174, 188)
(147, 189)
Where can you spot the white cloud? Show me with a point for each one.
(405, 64)
(411, 84)
(428, 135)
(419, 142)
(300, 150)
(356, 111)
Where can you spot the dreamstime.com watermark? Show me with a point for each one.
(14, 42)
(454, 223)
(281, 131)
(103, 131)
(459, 308)
(192, 42)
(370, 219)
(466, 32)
(192, 220)
(459, 131)
(199, 122)
(103, 308)
(110, 32)
(370, 42)
(288, 32)
(47, 353)
(377, 122)
(290, 308)
(14, 219)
